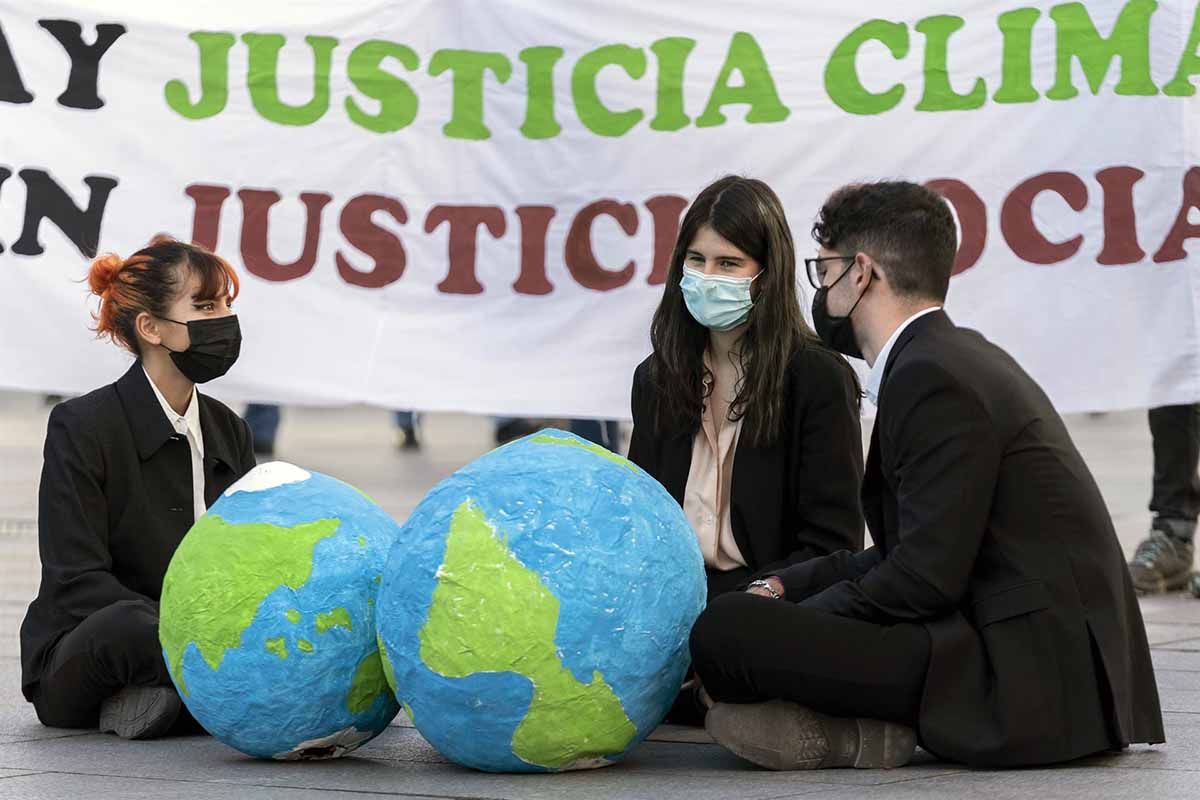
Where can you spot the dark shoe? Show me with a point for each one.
(782, 735)
(1194, 584)
(407, 439)
(140, 712)
(1161, 563)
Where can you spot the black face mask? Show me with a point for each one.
(215, 345)
(836, 332)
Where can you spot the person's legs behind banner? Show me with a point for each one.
(1163, 561)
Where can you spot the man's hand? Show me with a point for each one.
(773, 582)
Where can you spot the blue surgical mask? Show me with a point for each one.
(718, 302)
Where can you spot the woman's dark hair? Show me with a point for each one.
(150, 280)
(747, 214)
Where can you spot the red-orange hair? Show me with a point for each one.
(150, 280)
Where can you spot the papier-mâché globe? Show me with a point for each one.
(535, 611)
(267, 616)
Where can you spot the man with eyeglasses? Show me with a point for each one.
(994, 621)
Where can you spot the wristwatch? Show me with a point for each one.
(765, 584)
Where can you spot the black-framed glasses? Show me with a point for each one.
(816, 273)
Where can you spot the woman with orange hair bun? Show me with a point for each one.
(128, 468)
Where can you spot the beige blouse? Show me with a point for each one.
(706, 496)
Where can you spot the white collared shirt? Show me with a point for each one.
(188, 426)
(875, 376)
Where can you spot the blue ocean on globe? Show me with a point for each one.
(535, 610)
(267, 616)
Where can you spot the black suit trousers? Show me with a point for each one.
(115, 647)
(747, 648)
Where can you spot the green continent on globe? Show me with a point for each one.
(491, 613)
(209, 598)
(278, 646)
(338, 618)
(595, 449)
(389, 671)
(368, 683)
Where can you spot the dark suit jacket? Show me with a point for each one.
(114, 502)
(990, 530)
(790, 501)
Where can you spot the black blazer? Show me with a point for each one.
(114, 502)
(790, 501)
(991, 532)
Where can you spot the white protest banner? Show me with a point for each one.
(470, 205)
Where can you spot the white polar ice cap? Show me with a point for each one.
(268, 476)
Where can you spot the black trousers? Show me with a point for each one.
(747, 648)
(1175, 432)
(687, 708)
(115, 647)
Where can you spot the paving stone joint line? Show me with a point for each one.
(243, 785)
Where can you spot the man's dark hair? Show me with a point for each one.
(906, 227)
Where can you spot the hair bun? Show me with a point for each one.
(103, 272)
(162, 238)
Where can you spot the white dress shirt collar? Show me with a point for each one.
(190, 421)
(188, 427)
(875, 376)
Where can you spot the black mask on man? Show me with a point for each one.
(215, 345)
(836, 332)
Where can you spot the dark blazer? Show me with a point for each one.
(792, 500)
(114, 502)
(991, 532)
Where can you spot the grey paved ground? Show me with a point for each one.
(356, 445)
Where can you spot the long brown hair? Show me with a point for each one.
(747, 214)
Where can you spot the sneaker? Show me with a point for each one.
(1162, 562)
(140, 712)
(783, 735)
(1194, 584)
